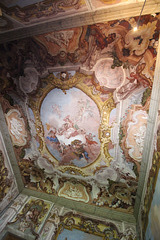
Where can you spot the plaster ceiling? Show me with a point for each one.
(75, 99)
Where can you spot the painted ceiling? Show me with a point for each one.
(76, 103)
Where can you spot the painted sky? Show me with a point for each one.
(77, 234)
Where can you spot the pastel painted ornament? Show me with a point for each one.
(16, 126)
(106, 76)
(135, 128)
(28, 83)
(74, 191)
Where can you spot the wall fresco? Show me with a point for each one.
(8, 186)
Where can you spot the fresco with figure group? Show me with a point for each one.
(89, 117)
(69, 135)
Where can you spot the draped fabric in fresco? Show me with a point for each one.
(82, 96)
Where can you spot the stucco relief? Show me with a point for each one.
(134, 127)
(74, 191)
(29, 82)
(16, 126)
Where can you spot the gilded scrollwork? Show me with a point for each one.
(90, 227)
(31, 216)
(104, 108)
(5, 181)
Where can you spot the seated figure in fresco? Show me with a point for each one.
(78, 149)
(89, 139)
(52, 136)
(68, 129)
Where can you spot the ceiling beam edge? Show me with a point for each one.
(87, 18)
(149, 140)
(102, 212)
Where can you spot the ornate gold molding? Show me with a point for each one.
(51, 82)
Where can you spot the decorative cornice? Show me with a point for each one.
(87, 18)
(82, 207)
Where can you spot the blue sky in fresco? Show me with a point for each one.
(77, 235)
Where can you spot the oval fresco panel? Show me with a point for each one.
(107, 76)
(71, 123)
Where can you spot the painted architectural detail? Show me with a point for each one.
(74, 191)
(16, 126)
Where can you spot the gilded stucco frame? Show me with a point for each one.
(104, 108)
(72, 221)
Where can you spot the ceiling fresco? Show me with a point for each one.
(76, 105)
(28, 12)
(17, 15)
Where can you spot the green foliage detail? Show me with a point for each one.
(146, 95)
